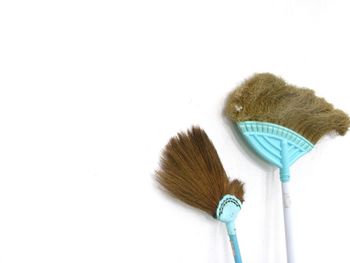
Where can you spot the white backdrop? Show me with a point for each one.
(91, 91)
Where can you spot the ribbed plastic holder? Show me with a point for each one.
(276, 144)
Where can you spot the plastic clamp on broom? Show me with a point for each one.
(227, 211)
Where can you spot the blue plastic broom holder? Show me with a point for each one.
(227, 211)
(276, 144)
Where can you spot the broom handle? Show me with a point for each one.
(288, 222)
(235, 248)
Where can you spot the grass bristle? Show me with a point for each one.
(267, 98)
(191, 171)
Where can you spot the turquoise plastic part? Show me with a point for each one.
(276, 144)
(235, 249)
(227, 211)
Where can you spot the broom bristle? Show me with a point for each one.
(267, 98)
(191, 171)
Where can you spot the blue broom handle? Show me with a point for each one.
(235, 248)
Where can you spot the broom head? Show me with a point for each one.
(191, 171)
(267, 98)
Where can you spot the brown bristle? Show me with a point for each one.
(192, 172)
(265, 97)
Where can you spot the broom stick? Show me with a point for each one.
(235, 248)
(287, 203)
(288, 227)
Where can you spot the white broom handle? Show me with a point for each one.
(288, 222)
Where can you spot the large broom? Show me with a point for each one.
(282, 123)
(191, 171)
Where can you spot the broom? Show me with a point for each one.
(281, 123)
(191, 171)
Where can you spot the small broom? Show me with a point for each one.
(282, 123)
(191, 171)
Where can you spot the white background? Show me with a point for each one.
(91, 91)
